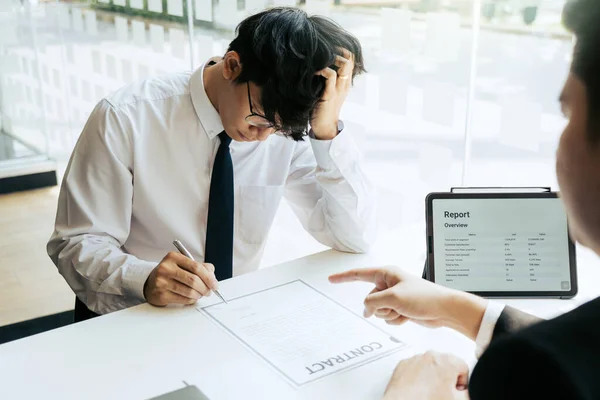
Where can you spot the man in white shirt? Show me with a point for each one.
(205, 157)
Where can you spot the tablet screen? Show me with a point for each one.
(501, 244)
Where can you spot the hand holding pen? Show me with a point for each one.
(178, 279)
(186, 253)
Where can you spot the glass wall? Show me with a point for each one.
(516, 116)
(22, 131)
(459, 92)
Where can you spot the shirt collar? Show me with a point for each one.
(206, 112)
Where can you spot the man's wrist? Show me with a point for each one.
(135, 277)
(327, 132)
(464, 313)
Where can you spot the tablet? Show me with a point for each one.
(500, 244)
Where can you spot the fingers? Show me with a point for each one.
(462, 368)
(398, 321)
(450, 366)
(200, 270)
(345, 69)
(380, 300)
(433, 369)
(184, 290)
(208, 275)
(330, 82)
(347, 54)
(164, 290)
(382, 277)
(210, 267)
(345, 63)
(179, 280)
(362, 274)
(340, 81)
(386, 314)
(175, 298)
(191, 281)
(171, 278)
(390, 316)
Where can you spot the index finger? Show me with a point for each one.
(207, 276)
(347, 54)
(361, 274)
(330, 81)
(344, 72)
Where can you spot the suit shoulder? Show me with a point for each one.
(553, 359)
(583, 322)
(516, 367)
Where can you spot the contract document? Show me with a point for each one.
(302, 333)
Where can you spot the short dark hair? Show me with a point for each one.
(582, 18)
(281, 49)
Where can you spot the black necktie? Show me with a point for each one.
(219, 229)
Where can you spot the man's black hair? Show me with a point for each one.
(582, 18)
(280, 50)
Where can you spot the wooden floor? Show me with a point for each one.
(30, 285)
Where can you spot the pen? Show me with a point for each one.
(186, 253)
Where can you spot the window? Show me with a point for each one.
(452, 97)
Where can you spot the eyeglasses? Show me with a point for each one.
(257, 120)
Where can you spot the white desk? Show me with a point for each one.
(146, 351)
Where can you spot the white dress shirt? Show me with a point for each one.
(486, 329)
(139, 177)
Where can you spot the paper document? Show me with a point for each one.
(302, 333)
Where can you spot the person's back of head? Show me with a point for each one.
(281, 50)
(578, 158)
(582, 18)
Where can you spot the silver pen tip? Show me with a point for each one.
(221, 296)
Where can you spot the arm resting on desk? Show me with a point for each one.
(94, 215)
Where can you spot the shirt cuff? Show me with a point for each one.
(335, 153)
(135, 276)
(486, 329)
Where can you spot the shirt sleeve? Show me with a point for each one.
(486, 329)
(94, 214)
(331, 195)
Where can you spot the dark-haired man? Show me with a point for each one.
(527, 358)
(206, 158)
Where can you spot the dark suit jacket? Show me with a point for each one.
(528, 358)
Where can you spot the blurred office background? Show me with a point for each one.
(459, 92)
